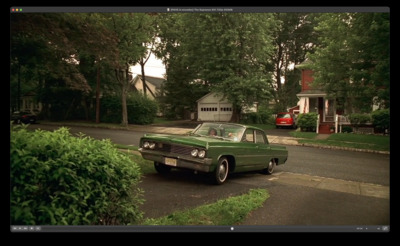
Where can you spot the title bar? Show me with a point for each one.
(192, 9)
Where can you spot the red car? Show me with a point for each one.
(286, 119)
(23, 117)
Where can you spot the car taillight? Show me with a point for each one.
(25, 116)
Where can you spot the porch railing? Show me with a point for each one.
(341, 120)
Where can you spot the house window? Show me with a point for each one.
(313, 101)
(225, 109)
(209, 109)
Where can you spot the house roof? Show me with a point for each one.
(304, 65)
(311, 93)
(156, 81)
(210, 94)
(297, 106)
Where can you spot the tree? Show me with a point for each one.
(181, 87)
(223, 52)
(294, 37)
(131, 30)
(353, 58)
(49, 48)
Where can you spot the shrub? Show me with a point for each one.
(357, 119)
(111, 109)
(59, 179)
(141, 110)
(381, 119)
(347, 129)
(263, 116)
(308, 122)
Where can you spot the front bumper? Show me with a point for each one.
(187, 162)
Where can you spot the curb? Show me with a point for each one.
(346, 148)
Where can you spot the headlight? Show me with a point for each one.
(194, 152)
(202, 153)
(152, 145)
(146, 145)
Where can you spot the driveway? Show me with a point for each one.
(293, 199)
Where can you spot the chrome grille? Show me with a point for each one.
(181, 150)
(175, 149)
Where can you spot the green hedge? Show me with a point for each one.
(263, 116)
(308, 122)
(358, 119)
(59, 179)
(141, 110)
(381, 119)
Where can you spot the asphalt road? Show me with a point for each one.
(289, 204)
(338, 164)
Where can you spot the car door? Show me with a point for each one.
(263, 148)
(247, 153)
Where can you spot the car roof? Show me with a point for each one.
(234, 124)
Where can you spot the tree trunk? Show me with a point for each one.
(124, 87)
(19, 88)
(235, 114)
(142, 63)
(124, 107)
(122, 76)
(98, 96)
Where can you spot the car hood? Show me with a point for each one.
(198, 141)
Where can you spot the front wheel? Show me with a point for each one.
(161, 168)
(222, 170)
(271, 167)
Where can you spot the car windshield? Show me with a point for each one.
(229, 132)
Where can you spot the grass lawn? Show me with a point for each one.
(347, 140)
(263, 126)
(160, 120)
(306, 135)
(230, 211)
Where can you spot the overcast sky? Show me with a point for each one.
(153, 67)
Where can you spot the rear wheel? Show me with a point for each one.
(161, 168)
(271, 167)
(222, 170)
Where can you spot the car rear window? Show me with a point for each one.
(283, 116)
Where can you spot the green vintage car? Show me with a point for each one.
(217, 148)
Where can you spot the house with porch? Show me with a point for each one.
(331, 112)
(316, 100)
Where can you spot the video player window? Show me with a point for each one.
(104, 105)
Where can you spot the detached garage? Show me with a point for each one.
(213, 107)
